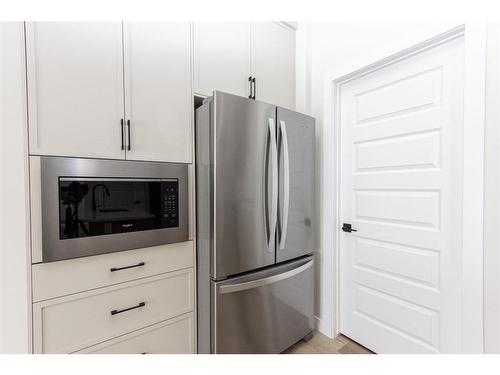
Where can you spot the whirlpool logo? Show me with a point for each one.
(127, 225)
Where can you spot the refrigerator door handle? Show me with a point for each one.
(286, 184)
(273, 216)
(232, 288)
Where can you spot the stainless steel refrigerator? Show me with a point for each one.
(255, 225)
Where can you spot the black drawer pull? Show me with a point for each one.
(127, 267)
(142, 304)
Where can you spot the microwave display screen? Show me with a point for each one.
(99, 206)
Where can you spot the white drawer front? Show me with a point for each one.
(58, 279)
(175, 336)
(71, 323)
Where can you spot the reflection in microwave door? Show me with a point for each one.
(72, 196)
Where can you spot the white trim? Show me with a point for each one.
(472, 270)
(473, 189)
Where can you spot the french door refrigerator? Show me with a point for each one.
(255, 225)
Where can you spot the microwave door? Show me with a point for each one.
(296, 140)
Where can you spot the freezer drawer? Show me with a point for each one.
(265, 311)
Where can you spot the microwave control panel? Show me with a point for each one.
(170, 193)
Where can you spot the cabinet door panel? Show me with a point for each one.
(222, 57)
(158, 91)
(75, 88)
(273, 62)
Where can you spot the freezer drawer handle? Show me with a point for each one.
(224, 289)
(114, 269)
(141, 304)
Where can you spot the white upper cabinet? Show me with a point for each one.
(222, 57)
(273, 63)
(227, 54)
(158, 98)
(124, 90)
(75, 88)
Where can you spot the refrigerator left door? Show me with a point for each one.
(265, 311)
(245, 184)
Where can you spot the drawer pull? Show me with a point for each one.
(127, 267)
(142, 304)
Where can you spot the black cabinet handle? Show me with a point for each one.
(348, 228)
(250, 86)
(254, 87)
(129, 140)
(114, 312)
(127, 267)
(123, 143)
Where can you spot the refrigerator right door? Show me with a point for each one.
(296, 156)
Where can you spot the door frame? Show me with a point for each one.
(475, 35)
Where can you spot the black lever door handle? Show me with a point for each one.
(141, 304)
(346, 227)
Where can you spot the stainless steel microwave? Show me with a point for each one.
(91, 206)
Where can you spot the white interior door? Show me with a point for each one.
(401, 189)
(158, 99)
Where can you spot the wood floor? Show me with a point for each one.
(320, 344)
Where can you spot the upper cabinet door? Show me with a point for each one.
(273, 57)
(222, 58)
(158, 102)
(75, 88)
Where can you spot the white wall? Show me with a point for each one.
(15, 305)
(492, 194)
